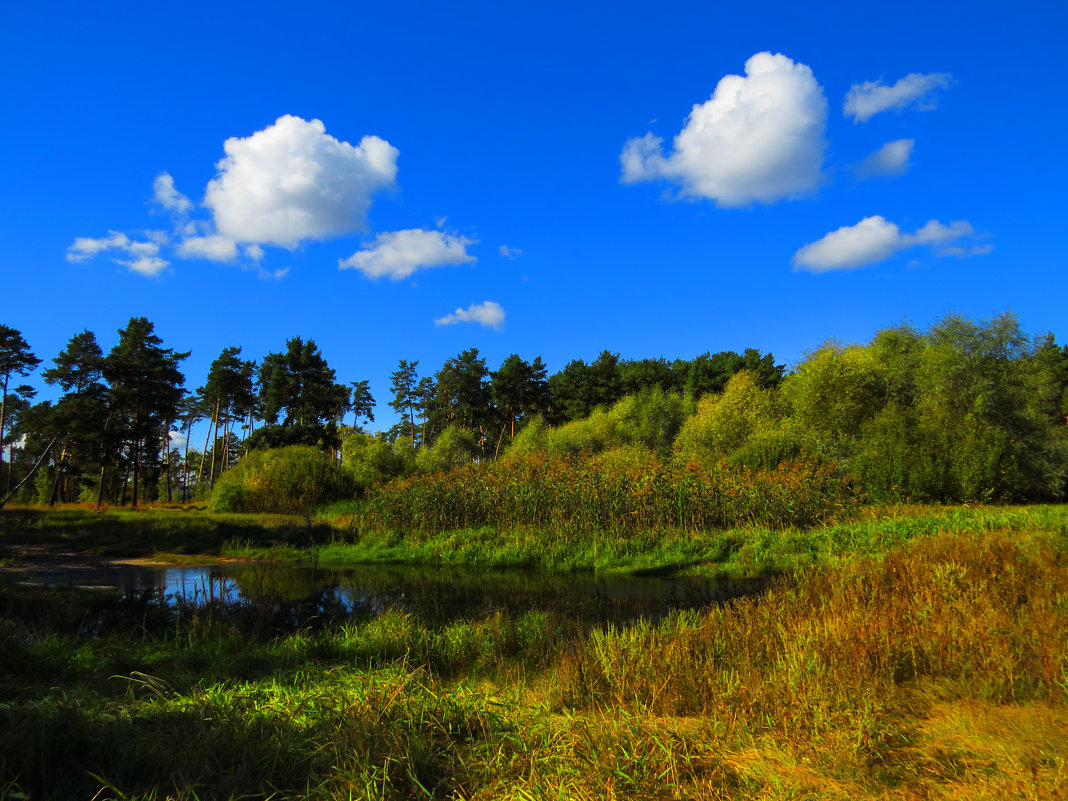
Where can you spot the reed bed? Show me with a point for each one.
(627, 494)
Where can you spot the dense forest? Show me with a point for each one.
(965, 411)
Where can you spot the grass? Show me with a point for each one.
(737, 552)
(179, 530)
(918, 653)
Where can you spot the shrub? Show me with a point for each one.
(372, 460)
(292, 480)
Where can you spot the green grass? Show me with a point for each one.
(738, 552)
(147, 531)
(929, 662)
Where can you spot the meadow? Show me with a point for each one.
(900, 652)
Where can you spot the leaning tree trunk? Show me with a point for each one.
(29, 475)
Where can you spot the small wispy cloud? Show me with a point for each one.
(143, 257)
(889, 161)
(168, 197)
(864, 100)
(488, 314)
(509, 253)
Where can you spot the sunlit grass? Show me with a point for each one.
(916, 653)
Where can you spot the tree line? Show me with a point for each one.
(108, 437)
(965, 411)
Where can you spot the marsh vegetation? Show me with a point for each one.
(914, 652)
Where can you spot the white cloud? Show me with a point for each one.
(875, 239)
(146, 265)
(758, 139)
(168, 197)
(85, 247)
(398, 254)
(509, 253)
(963, 252)
(292, 182)
(143, 256)
(254, 252)
(891, 160)
(213, 247)
(488, 314)
(935, 233)
(864, 100)
(871, 240)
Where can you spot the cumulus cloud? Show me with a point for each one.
(509, 253)
(758, 139)
(864, 100)
(292, 182)
(488, 314)
(142, 257)
(286, 184)
(891, 160)
(398, 254)
(875, 239)
(168, 197)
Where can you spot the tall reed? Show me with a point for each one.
(628, 493)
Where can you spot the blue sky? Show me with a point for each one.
(407, 180)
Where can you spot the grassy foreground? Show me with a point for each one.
(930, 661)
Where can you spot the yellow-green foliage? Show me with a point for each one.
(372, 460)
(650, 419)
(724, 423)
(291, 480)
(532, 439)
(456, 446)
(834, 392)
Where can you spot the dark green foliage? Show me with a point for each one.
(15, 359)
(299, 386)
(581, 388)
(144, 398)
(519, 390)
(462, 396)
(80, 416)
(291, 480)
(404, 383)
(709, 373)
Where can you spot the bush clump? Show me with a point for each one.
(292, 480)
